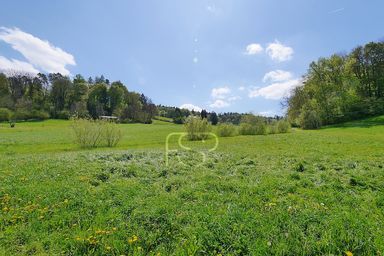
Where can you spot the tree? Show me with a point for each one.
(98, 100)
(60, 92)
(213, 118)
(117, 93)
(203, 114)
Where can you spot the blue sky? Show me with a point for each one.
(227, 55)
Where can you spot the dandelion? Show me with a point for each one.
(348, 253)
(133, 239)
(92, 240)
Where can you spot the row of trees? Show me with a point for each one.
(57, 96)
(340, 88)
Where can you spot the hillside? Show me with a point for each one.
(304, 192)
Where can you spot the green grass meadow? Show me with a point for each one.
(315, 192)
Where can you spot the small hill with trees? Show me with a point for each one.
(340, 88)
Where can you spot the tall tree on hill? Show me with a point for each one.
(213, 118)
(203, 114)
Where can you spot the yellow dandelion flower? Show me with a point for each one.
(348, 253)
(132, 239)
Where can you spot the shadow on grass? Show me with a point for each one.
(362, 123)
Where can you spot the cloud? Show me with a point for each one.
(219, 104)
(234, 98)
(220, 92)
(41, 54)
(279, 52)
(16, 65)
(253, 49)
(336, 11)
(277, 76)
(213, 9)
(275, 91)
(241, 88)
(268, 113)
(191, 107)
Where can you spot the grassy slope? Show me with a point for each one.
(303, 193)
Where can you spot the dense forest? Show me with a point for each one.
(340, 88)
(24, 96)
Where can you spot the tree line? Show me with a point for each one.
(24, 96)
(340, 88)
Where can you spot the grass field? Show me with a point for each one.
(302, 193)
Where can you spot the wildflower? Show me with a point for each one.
(92, 240)
(132, 239)
(348, 253)
(108, 248)
(114, 229)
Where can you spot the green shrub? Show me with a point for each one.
(40, 115)
(111, 133)
(283, 126)
(5, 114)
(95, 133)
(197, 128)
(226, 130)
(261, 128)
(247, 129)
(272, 128)
(63, 115)
(88, 133)
(21, 115)
(310, 119)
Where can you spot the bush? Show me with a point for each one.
(283, 126)
(197, 128)
(310, 119)
(111, 133)
(40, 115)
(247, 129)
(5, 114)
(226, 130)
(261, 128)
(63, 115)
(272, 128)
(95, 133)
(21, 115)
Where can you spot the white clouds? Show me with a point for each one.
(16, 65)
(253, 49)
(213, 9)
(222, 97)
(277, 76)
(275, 91)
(241, 88)
(219, 104)
(40, 54)
(279, 52)
(191, 107)
(220, 92)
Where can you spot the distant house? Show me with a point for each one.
(109, 118)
